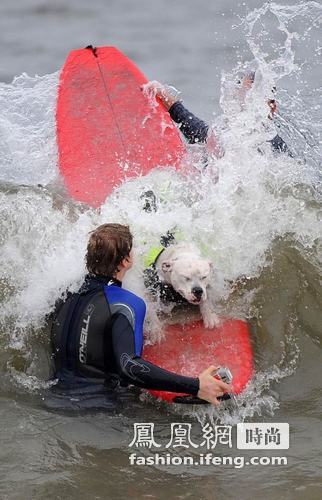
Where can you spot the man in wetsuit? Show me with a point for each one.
(196, 130)
(97, 333)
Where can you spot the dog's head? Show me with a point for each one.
(189, 277)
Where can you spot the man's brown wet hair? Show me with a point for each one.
(108, 245)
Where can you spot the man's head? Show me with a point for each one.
(246, 82)
(108, 248)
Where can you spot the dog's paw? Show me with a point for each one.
(211, 320)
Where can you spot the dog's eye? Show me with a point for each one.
(187, 278)
(203, 277)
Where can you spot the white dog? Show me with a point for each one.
(183, 268)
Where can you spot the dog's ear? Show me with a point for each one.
(167, 266)
(211, 265)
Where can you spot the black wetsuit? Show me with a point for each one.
(97, 334)
(196, 130)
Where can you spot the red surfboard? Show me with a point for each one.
(107, 130)
(187, 349)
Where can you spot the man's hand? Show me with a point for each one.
(159, 90)
(273, 108)
(211, 388)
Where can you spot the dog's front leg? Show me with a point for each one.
(153, 327)
(209, 317)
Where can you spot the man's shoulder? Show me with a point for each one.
(116, 293)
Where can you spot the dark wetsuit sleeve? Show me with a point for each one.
(279, 145)
(194, 129)
(140, 372)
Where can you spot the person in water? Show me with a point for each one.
(97, 333)
(196, 130)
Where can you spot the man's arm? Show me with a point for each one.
(194, 129)
(142, 373)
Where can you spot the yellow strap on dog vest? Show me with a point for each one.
(152, 256)
(154, 252)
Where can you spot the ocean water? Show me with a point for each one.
(262, 220)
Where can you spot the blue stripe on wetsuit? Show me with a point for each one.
(116, 295)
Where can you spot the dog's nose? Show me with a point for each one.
(197, 291)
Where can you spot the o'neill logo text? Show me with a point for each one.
(84, 333)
